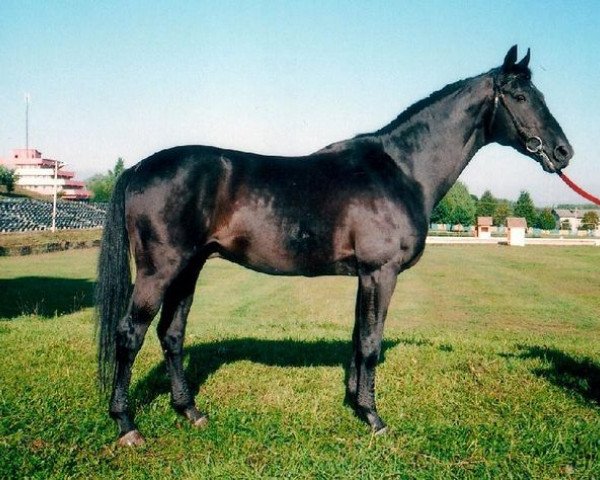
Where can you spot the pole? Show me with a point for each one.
(55, 195)
(27, 123)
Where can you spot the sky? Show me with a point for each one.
(125, 78)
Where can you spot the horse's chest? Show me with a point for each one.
(391, 235)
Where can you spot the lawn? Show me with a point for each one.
(491, 369)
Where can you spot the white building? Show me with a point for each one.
(516, 231)
(573, 217)
(36, 174)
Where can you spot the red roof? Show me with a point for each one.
(77, 195)
(485, 221)
(516, 222)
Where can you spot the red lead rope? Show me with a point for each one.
(578, 189)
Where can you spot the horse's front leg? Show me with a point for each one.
(374, 293)
(352, 373)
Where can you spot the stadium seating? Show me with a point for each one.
(23, 215)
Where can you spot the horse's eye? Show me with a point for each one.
(520, 98)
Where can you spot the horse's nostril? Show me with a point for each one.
(562, 153)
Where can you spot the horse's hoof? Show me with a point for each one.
(382, 431)
(201, 422)
(132, 438)
(196, 417)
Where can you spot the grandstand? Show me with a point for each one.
(25, 214)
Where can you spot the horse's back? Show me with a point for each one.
(285, 215)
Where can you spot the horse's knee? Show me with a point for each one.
(371, 358)
(370, 350)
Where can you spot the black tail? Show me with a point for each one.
(114, 282)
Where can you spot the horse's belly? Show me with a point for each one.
(295, 252)
(342, 267)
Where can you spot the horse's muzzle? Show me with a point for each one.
(562, 155)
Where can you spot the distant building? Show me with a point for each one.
(484, 225)
(573, 217)
(36, 174)
(516, 227)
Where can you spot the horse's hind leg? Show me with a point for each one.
(145, 302)
(171, 333)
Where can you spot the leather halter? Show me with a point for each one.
(532, 143)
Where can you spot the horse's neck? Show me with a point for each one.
(436, 144)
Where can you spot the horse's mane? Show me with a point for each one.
(417, 107)
(438, 95)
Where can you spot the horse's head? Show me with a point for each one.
(521, 119)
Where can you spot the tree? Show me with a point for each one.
(546, 220)
(441, 213)
(525, 208)
(590, 220)
(102, 185)
(486, 206)
(119, 168)
(463, 215)
(503, 210)
(7, 178)
(457, 207)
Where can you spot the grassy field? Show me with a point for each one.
(491, 369)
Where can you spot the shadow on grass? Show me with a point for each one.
(205, 359)
(576, 375)
(44, 296)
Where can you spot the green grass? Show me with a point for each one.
(491, 369)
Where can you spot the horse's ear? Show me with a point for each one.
(510, 59)
(524, 64)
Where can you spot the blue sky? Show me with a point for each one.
(128, 78)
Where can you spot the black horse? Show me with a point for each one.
(358, 207)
